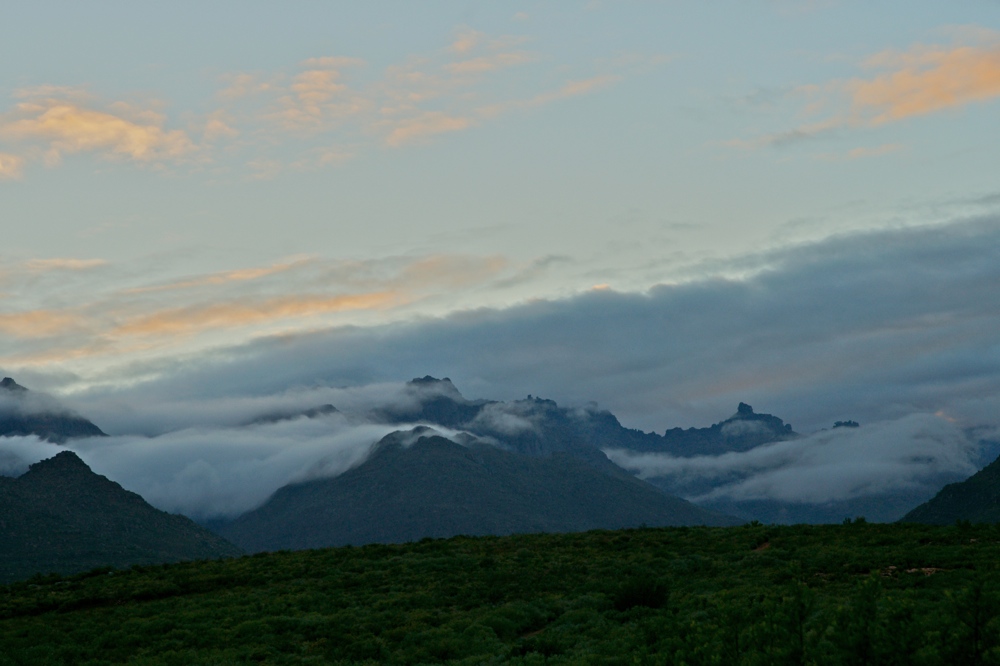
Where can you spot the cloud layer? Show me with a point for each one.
(870, 326)
(317, 113)
(912, 453)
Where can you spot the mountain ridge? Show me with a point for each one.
(60, 516)
(416, 485)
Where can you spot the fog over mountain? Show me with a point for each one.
(894, 329)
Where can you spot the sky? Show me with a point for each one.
(665, 208)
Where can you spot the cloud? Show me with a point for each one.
(242, 85)
(120, 313)
(926, 80)
(218, 126)
(212, 473)
(425, 125)
(38, 323)
(64, 264)
(316, 113)
(221, 278)
(489, 63)
(916, 82)
(11, 166)
(862, 152)
(914, 452)
(505, 418)
(194, 319)
(60, 127)
(871, 327)
(200, 458)
(422, 96)
(567, 90)
(466, 40)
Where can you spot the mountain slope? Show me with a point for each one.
(437, 488)
(977, 499)
(62, 517)
(22, 413)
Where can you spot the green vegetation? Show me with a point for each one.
(856, 593)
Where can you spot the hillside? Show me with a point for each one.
(61, 517)
(22, 413)
(434, 487)
(977, 499)
(835, 594)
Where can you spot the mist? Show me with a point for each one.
(915, 452)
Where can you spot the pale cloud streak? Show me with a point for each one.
(926, 80)
(96, 317)
(64, 264)
(919, 81)
(424, 125)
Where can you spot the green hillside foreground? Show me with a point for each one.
(833, 594)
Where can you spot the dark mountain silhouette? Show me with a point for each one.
(434, 487)
(977, 499)
(21, 414)
(536, 426)
(61, 517)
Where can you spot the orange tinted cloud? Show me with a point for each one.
(69, 128)
(235, 314)
(10, 165)
(424, 125)
(450, 271)
(568, 89)
(64, 264)
(37, 323)
(466, 40)
(927, 80)
(238, 275)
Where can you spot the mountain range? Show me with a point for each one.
(453, 466)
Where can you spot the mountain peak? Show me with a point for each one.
(427, 380)
(62, 461)
(744, 409)
(9, 384)
(434, 385)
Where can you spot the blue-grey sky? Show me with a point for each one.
(179, 181)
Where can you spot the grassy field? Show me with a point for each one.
(836, 594)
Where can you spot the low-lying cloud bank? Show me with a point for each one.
(214, 473)
(916, 452)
